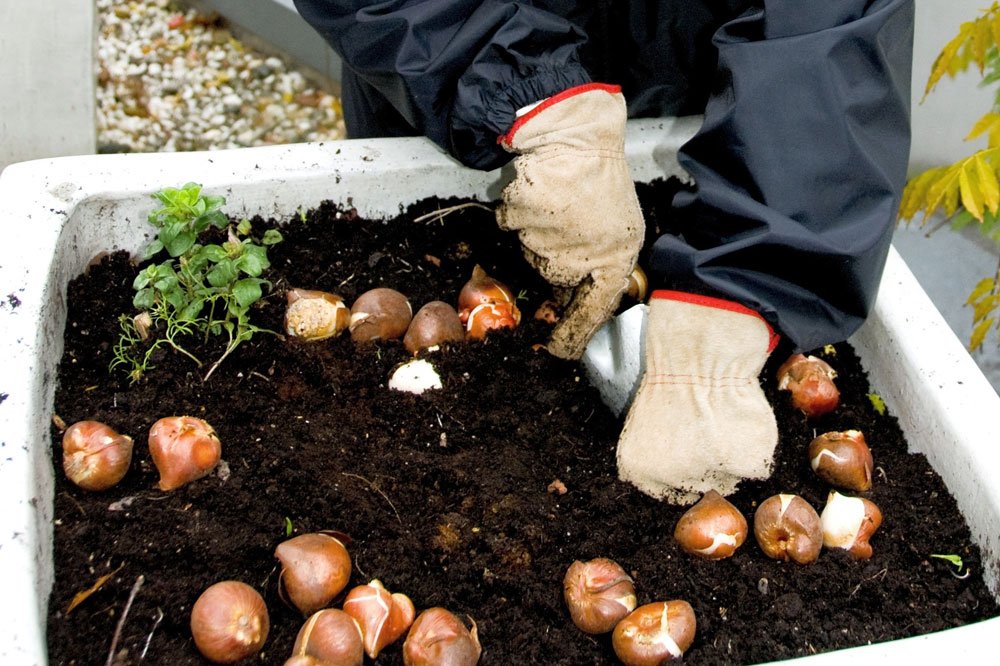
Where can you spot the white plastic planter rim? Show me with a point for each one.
(61, 213)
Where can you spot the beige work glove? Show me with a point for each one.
(573, 203)
(699, 420)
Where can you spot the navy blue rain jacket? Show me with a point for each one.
(798, 166)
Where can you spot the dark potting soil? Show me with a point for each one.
(445, 496)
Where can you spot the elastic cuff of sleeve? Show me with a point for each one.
(525, 114)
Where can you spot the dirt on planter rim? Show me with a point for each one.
(446, 495)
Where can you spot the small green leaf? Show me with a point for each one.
(950, 558)
(272, 237)
(214, 253)
(247, 291)
(877, 403)
(244, 227)
(222, 274)
(143, 299)
(152, 249)
(288, 526)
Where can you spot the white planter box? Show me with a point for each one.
(60, 213)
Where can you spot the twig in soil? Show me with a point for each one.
(379, 491)
(441, 213)
(879, 574)
(121, 621)
(149, 638)
(78, 505)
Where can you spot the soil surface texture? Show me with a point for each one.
(448, 496)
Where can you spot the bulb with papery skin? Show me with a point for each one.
(183, 449)
(315, 315)
(436, 323)
(95, 456)
(842, 459)
(330, 637)
(849, 522)
(437, 637)
(713, 528)
(383, 616)
(655, 633)
(788, 528)
(489, 317)
(481, 289)
(315, 568)
(809, 380)
(598, 593)
(229, 622)
(380, 314)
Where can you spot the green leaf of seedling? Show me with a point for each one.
(152, 249)
(216, 218)
(272, 237)
(247, 291)
(143, 299)
(254, 259)
(179, 244)
(214, 253)
(288, 526)
(877, 403)
(950, 558)
(191, 311)
(222, 274)
(244, 227)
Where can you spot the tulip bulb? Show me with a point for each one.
(383, 617)
(436, 323)
(183, 449)
(810, 381)
(842, 459)
(330, 637)
(481, 289)
(655, 633)
(95, 456)
(788, 528)
(598, 593)
(849, 522)
(315, 568)
(380, 314)
(487, 317)
(437, 637)
(713, 528)
(229, 622)
(315, 315)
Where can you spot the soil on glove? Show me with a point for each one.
(451, 496)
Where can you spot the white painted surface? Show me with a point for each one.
(47, 79)
(72, 208)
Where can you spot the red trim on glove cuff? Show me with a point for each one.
(720, 304)
(508, 138)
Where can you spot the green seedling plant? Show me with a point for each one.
(200, 289)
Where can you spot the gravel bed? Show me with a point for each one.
(172, 79)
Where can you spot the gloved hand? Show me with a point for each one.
(699, 420)
(573, 204)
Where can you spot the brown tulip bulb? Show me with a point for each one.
(713, 528)
(491, 316)
(788, 528)
(95, 456)
(383, 617)
(330, 637)
(655, 633)
(438, 638)
(380, 314)
(481, 289)
(598, 593)
(183, 449)
(842, 459)
(849, 522)
(810, 381)
(229, 622)
(315, 315)
(315, 568)
(435, 324)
